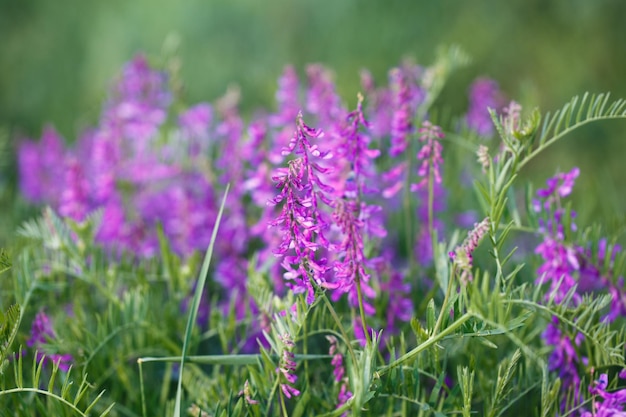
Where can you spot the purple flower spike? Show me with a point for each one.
(484, 95)
(561, 262)
(322, 99)
(350, 270)
(41, 168)
(564, 358)
(462, 256)
(339, 372)
(353, 217)
(301, 221)
(194, 128)
(401, 122)
(287, 368)
(400, 306)
(75, 196)
(430, 155)
(286, 98)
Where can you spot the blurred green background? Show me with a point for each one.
(57, 59)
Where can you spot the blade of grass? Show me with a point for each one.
(193, 312)
(235, 360)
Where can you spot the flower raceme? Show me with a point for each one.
(429, 189)
(484, 95)
(339, 372)
(462, 255)
(287, 367)
(301, 221)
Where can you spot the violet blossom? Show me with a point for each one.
(322, 99)
(339, 372)
(399, 308)
(401, 122)
(41, 169)
(74, 202)
(379, 106)
(462, 256)
(429, 171)
(286, 98)
(301, 221)
(429, 155)
(560, 260)
(564, 358)
(612, 404)
(353, 217)
(41, 334)
(484, 94)
(287, 368)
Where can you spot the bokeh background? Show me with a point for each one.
(57, 59)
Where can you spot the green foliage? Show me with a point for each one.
(5, 262)
(193, 311)
(56, 395)
(9, 324)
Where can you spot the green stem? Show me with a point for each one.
(305, 351)
(144, 411)
(564, 132)
(271, 396)
(434, 339)
(359, 293)
(431, 209)
(341, 329)
(282, 403)
(444, 305)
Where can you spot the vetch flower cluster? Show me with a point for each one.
(569, 271)
(401, 123)
(133, 167)
(41, 334)
(301, 222)
(287, 367)
(560, 260)
(462, 255)
(564, 359)
(429, 190)
(612, 404)
(353, 217)
(484, 94)
(339, 372)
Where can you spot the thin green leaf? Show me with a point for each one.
(196, 304)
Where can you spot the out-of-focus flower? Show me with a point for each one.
(75, 195)
(483, 158)
(41, 334)
(247, 394)
(484, 94)
(429, 155)
(401, 122)
(564, 358)
(41, 168)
